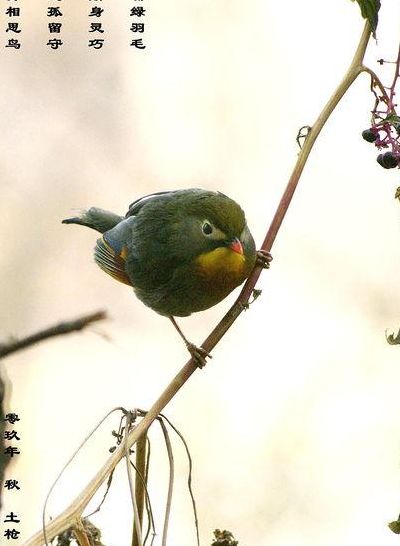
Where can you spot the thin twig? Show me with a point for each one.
(136, 518)
(65, 327)
(109, 481)
(170, 481)
(140, 485)
(63, 521)
(150, 519)
(149, 510)
(395, 77)
(196, 520)
(376, 81)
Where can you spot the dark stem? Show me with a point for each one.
(59, 329)
(140, 485)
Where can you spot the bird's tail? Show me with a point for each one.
(95, 218)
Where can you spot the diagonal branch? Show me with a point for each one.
(65, 519)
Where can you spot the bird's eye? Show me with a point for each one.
(207, 228)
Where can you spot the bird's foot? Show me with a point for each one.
(264, 259)
(198, 354)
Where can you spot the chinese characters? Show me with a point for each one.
(54, 25)
(13, 14)
(11, 436)
(97, 31)
(137, 27)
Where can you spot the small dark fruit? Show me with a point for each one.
(369, 135)
(388, 160)
(380, 160)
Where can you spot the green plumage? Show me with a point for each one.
(157, 246)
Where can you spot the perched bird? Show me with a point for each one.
(182, 251)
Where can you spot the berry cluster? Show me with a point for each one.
(386, 135)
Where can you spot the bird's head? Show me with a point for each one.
(215, 233)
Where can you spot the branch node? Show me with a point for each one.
(302, 135)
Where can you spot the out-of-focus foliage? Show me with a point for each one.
(393, 339)
(224, 538)
(395, 526)
(93, 533)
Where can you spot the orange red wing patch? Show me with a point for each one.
(110, 261)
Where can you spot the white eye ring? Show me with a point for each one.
(207, 228)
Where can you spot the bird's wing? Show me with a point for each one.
(135, 207)
(111, 262)
(164, 196)
(110, 252)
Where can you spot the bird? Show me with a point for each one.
(181, 251)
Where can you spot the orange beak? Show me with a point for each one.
(236, 246)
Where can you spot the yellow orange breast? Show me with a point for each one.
(222, 263)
